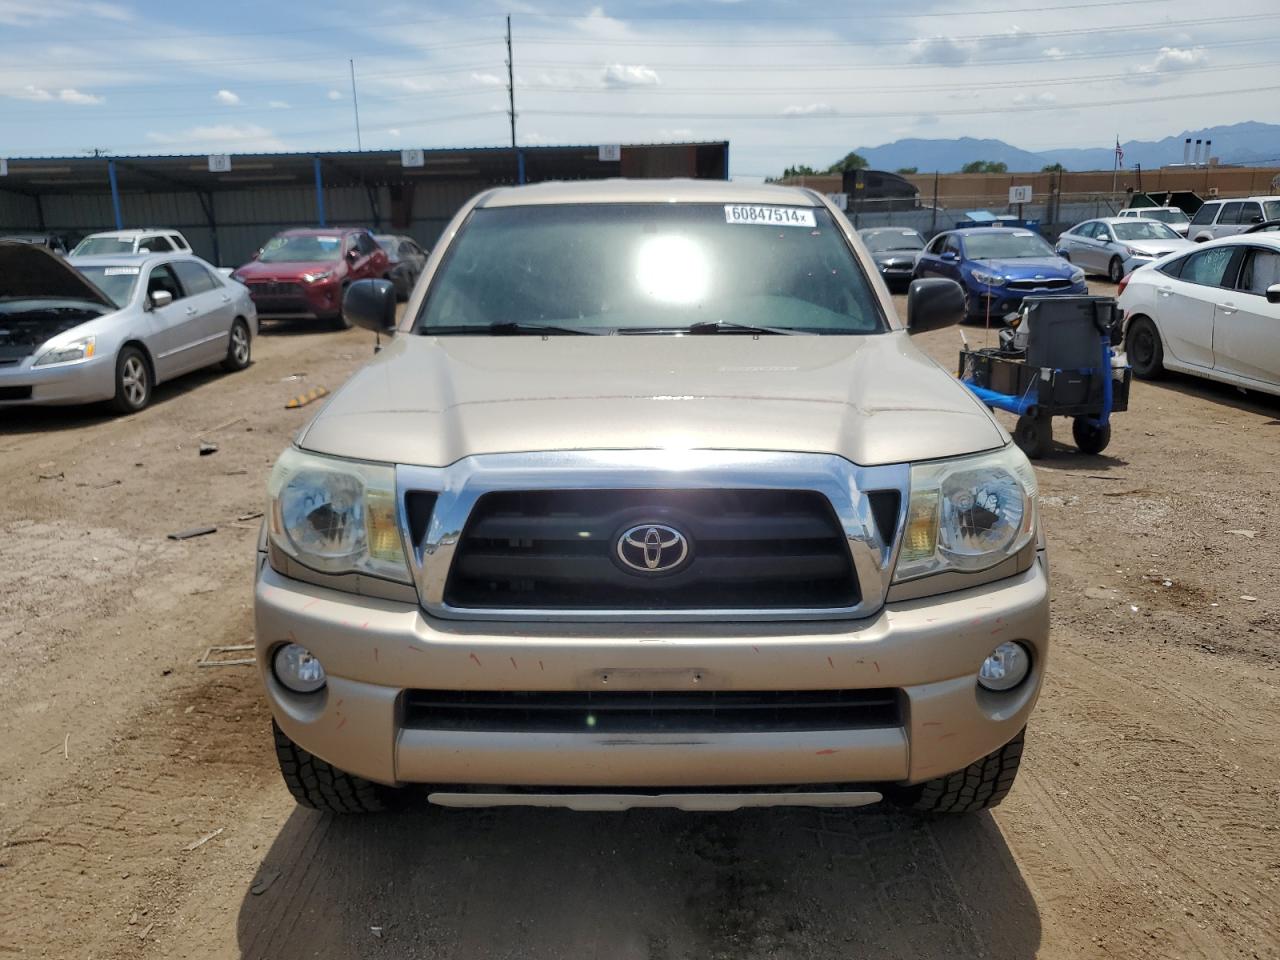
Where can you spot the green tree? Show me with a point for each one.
(907, 171)
(850, 161)
(799, 170)
(985, 166)
(1053, 168)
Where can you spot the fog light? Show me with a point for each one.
(297, 669)
(1007, 667)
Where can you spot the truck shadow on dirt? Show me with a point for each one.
(651, 885)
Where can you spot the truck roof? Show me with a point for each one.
(648, 191)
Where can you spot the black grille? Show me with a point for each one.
(15, 393)
(748, 550)
(1039, 284)
(622, 711)
(275, 288)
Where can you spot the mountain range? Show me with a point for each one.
(1239, 143)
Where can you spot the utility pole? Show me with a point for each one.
(355, 104)
(511, 86)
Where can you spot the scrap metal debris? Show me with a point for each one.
(193, 532)
(217, 656)
(60, 475)
(311, 396)
(250, 516)
(207, 448)
(203, 840)
(221, 426)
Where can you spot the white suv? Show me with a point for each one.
(1222, 218)
(146, 240)
(1171, 217)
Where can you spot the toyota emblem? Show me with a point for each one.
(652, 548)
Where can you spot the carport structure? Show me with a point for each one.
(227, 214)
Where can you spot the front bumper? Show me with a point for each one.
(317, 299)
(998, 301)
(929, 650)
(82, 381)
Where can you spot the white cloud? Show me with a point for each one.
(809, 110)
(334, 95)
(1169, 60)
(393, 131)
(278, 105)
(31, 92)
(27, 13)
(677, 133)
(940, 50)
(220, 136)
(1054, 53)
(75, 96)
(630, 75)
(227, 98)
(1035, 98)
(489, 79)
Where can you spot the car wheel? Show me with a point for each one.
(1089, 437)
(979, 786)
(239, 348)
(321, 786)
(1144, 349)
(1115, 270)
(1034, 435)
(133, 381)
(340, 321)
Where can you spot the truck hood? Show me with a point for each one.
(431, 401)
(29, 272)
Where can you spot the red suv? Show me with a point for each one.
(307, 271)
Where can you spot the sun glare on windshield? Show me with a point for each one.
(673, 269)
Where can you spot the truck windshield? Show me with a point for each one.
(650, 268)
(301, 249)
(102, 246)
(1165, 216)
(1143, 230)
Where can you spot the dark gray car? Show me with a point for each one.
(895, 251)
(406, 260)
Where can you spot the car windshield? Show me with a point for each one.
(301, 249)
(651, 267)
(1143, 230)
(102, 246)
(1166, 216)
(882, 240)
(1272, 209)
(1005, 246)
(116, 282)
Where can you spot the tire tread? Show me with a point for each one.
(321, 786)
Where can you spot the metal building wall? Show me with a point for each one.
(20, 211)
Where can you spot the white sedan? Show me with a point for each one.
(1214, 312)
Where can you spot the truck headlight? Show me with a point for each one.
(968, 514)
(337, 516)
(81, 349)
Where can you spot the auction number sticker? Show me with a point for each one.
(121, 271)
(769, 216)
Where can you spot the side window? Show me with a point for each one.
(178, 242)
(162, 278)
(195, 278)
(1251, 213)
(1103, 233)
(1205, 213)
(156, 244)
(1174, 267)
(952, 246)
(1261, 270)
(1208, 267)
(936, 245)
(365, 244)
(1230, 213)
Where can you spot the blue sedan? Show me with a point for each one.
(998, 267)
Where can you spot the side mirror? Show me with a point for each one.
(949, 255)
(934, 302)
(159, 298)
(353, 255)
(1256, 218)
(371, 304)
(1273, 293)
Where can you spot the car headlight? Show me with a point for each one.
(989, 279)
(81, 349)
(1077, 275)
(337, 516)
(968, 514)
(316, 277)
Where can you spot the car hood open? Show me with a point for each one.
(871, 399)
(29, 272)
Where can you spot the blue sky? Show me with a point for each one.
(785, 82)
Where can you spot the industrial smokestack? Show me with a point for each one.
(1186, 152)
(1196, 161)
(1207, 145)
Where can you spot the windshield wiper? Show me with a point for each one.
(510, 329)
(719, 326)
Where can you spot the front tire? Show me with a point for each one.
(979, 786)
(1144, 349)
(239, 347)
(133, 381)
(321, 786)
(340, 322)
(1115, 270)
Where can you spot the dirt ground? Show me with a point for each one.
(141, 814)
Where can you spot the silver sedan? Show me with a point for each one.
(1116, 246)
(111, 328)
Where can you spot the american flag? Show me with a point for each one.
(1119, 152)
